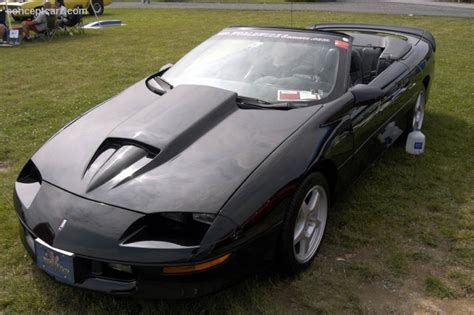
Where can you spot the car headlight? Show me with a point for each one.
(206, 218)
(28, 184)
(29, 174)
(168, 230)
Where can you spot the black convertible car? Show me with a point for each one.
(223, 162)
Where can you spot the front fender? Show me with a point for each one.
(289, 163)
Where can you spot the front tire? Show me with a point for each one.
(304, 224)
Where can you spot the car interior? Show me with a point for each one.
(372, 54)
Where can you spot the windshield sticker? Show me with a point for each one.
(291, 95)
(273, 35)
(341, 44)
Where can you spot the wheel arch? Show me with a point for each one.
(426, 81)
(329, 170)
(91, 3)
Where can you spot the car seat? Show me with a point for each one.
(356, 67)
(370, 60)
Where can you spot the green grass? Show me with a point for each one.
(403, 232)
(436, 287)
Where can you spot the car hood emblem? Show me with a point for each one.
(63, 224)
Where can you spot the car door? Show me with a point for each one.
(376, 126)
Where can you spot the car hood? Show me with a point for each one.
(187, 150)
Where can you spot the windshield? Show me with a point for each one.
(269, 65)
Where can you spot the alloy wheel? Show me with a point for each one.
(310, 224)
(419, 112)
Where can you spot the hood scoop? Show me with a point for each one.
(171, 123)
(116, 161)
(178, 118)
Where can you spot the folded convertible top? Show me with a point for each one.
(422, 34)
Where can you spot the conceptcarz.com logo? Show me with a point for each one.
(34, 12)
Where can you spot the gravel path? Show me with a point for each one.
(403, 7)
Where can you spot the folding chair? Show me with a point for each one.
(3, 20)
(74, 22)
(51, 29)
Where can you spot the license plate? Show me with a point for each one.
(58, 263)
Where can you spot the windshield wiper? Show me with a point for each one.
(255, 103)
(159, 80)
(158, 85)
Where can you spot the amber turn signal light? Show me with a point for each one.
(196, 267)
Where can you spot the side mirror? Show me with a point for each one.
(366, 94)
(166, 67)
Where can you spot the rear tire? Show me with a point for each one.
(304, 224)
(420, 104)
(418, 112)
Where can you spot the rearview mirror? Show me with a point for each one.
(365, 94)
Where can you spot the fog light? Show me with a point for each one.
(121, 267)
(196, 267)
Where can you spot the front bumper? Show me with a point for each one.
(150, 282)
(96, 247)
